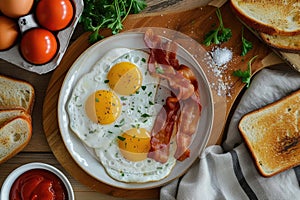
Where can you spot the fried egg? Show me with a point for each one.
(116, 95)
(136, 167)
(113, 108)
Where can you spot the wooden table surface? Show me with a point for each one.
(38, 149)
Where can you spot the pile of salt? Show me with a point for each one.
(217, 61)
(221, 56)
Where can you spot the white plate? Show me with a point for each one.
(84, 64)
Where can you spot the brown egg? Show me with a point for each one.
(8, 32)
(15, 8)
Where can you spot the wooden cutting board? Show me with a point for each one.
(194, 23)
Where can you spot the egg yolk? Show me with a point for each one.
(103, 107)
(124, 78)
(134, 144)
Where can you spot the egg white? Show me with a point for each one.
(128, 171)
(133, 107)
(103, 138)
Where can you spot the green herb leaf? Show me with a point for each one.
(145, 115)
(218, 35)
(123, 98)
(121, 138)
(122, 122)
(246, 45)
(245, 75)
(159, 70)
(101, 14)
(138, 6)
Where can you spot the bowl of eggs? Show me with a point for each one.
(124, 120)
(37, 181)
(34, 35)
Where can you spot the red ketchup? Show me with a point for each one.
(38, 184)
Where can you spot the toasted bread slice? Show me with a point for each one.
(272, 135)
(14, 136)
(16, 94)
(7, 115)
(282, 42)
(274, 17)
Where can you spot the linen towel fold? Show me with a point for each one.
(228, 171)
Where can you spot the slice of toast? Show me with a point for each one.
(274, 17)
(7, 115)
(16, 94)
(282, 42)
(14, 136)
(272, 135)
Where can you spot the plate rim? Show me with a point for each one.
(60, 101)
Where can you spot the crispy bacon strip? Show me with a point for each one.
(181, 113)
(163, 63)
(187, 124)
(162, 131)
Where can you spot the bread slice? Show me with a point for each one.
(282, 42)
(272, 135)
(16, 94)
(7, 115)
(274, 17)
(14, 136)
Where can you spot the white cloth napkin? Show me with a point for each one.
(227, 171)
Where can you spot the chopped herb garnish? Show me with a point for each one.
(106, 81)
(219, 35)
(151, 103)
(122, 122)
(136, 126)
(144, 87)
(245, 75)
(92, 131)
(145, 115)
(123, 98)
(159, 70)
(246, 45)
(121, 138)
(144, 60)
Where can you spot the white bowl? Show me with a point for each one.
(11, 178)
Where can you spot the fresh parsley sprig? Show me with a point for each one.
(99, 14)
(219, 35)
(245, 75)
(246, 45)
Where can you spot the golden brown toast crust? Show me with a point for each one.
(32, 97)
(283, 43)
(272, 135)
(268, 28)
